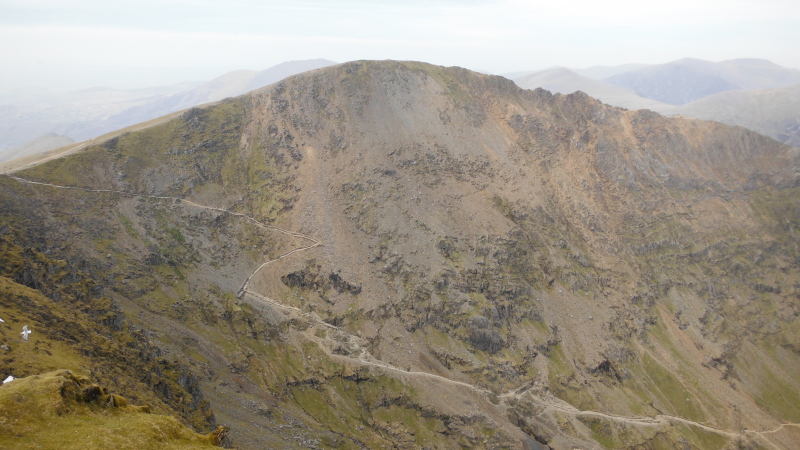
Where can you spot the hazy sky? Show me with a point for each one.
(136, 43)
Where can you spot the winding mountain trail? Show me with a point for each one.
(366, 358)
(556, 404)
(774, 430)
(661, 419)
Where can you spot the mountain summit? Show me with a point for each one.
(399, 254)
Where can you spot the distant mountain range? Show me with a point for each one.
(41, 144)
(771, 112)
(683, 81)
(229, 85)
(751, 93)
(27, 123)
(566, 81)
(595, 72)
(26, 117)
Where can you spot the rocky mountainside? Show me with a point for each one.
(399, 254)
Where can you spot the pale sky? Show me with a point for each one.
(137, 43)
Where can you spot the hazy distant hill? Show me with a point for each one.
(235, 83)
(600, 72)
(594, 72)
(26, 116)
(41, 144)
(565, 81)
(93, 112)
(772, 112)
(688, 79)
(758, 74)
(229, 85)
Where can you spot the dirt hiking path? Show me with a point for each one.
(364, 358)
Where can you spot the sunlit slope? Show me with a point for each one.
(57, 410)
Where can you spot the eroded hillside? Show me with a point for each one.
(385, 253)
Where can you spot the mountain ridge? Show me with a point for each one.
(771, 112)
(530, 244)
(103, 110)
(566, 81)
(685, 80)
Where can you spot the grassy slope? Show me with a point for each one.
(57, 410)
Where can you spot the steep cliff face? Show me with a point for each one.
(384, 252)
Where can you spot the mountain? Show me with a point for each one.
(405, 255)
(26, 117)
(686, 80)
(758, 74)
(594, 72)
(228, 85)
(601, 72)
(565, 81)
(520, 74)
(93, 112)
(41, 144)
(771, 112)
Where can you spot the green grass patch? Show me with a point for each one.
(703, 438)
(775, 394)
(562, 381)
(602, 432)
(176, 235)
(128, 225)
(53, 411)
(672, 390)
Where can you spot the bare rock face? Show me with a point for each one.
(386, 252)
